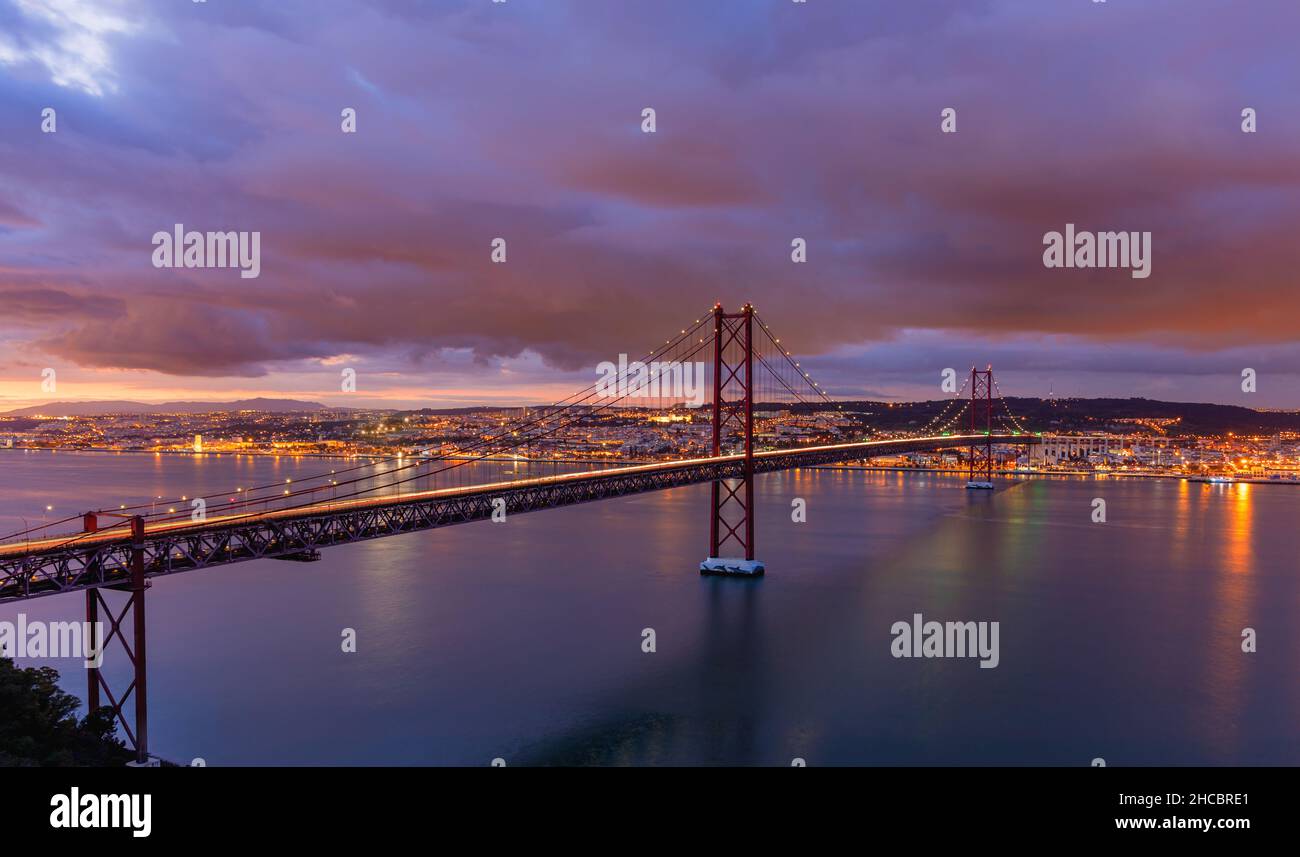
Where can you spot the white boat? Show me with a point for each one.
(983, 486)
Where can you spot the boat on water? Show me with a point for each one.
(1213, 480)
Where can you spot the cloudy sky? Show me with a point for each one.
(523, 120)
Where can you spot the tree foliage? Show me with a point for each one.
(39, 725)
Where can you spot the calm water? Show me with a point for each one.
(523, 640)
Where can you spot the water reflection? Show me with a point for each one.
(522, 640)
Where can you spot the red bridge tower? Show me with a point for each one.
(732, 506)
(981, 421)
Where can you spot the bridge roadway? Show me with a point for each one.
(75, 562)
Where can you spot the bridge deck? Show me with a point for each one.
(81, 561)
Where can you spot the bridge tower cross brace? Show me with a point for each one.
(731, 524)
(138, 737)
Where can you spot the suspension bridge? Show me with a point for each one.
(122, 550)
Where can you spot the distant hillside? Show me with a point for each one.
(1199, 418)
(1084, 415)
(93, 409)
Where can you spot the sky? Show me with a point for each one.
(523, 120)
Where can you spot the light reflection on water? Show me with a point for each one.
(523, 640)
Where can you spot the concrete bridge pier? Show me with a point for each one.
(724, 565)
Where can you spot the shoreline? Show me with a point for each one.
(506, 459)
(1029, 474)
(325, 456)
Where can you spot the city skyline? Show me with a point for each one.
(924, 249)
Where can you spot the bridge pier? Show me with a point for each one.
(137, 738)
(90, 524)
(733, 499)
(742, 567)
